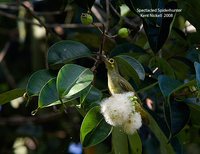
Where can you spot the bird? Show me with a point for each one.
(118, 84)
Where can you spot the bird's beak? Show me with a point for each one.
(105, 60)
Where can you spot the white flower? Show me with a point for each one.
(133, 123)
(119, 110)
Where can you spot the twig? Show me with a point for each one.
(48, 30)
(72, 26)
(3, 52)
(100, 53)
(11, 16)
(6, 72)
(133, 25)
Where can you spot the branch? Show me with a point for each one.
(73, 25)
(100, 53)
(48, 30)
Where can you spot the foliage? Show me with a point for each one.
(159, 57)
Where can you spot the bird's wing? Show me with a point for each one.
(126, 86)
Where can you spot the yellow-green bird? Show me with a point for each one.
(123, 143)
(118, 84)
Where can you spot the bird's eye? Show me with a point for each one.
(111, 61)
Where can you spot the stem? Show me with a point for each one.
(100, 53)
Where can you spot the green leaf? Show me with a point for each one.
(197, 69)
(72, 79)
(120, 141)
(135, 143)
(94, 128)
(10, 95)
(48, 95)
(65, 51)
(37, 81)
(135, 67)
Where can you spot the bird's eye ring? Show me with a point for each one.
(111, 61)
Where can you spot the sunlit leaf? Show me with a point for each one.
(72, 79)
(119, 141)
(135, 143)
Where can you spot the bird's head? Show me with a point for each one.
(110, 63)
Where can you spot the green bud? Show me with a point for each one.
(123, 32)
(86, 19)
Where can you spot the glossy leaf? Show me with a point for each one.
(48, 95)
(10, 95)
(64, 51)
(37, 81)
(135, 65)
(135, 143)
(94, 128)
(120, 141)
(72, 79)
